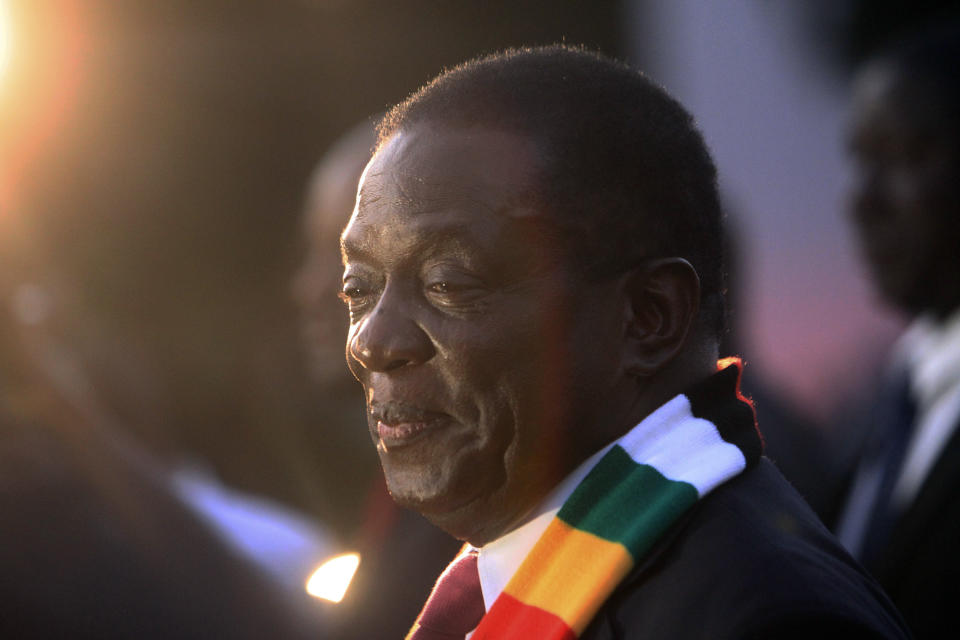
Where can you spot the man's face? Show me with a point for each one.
(905, 201)
(485, 360)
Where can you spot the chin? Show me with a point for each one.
(466, 517)
(420, 490)
(471, 523)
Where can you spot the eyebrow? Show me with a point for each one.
(353, 251)
(424, 243)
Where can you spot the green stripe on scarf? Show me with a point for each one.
(628, 503)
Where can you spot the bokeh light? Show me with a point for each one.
(332, 578)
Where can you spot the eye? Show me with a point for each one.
(460, 292)
(356, 293)
(440, 287)
(351, 292)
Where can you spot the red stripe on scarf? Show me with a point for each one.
(510, 618)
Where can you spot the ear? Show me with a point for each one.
(664, 299)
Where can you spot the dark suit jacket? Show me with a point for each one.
(750, 561)
(920, 568)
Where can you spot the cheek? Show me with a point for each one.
(520, 359)
(355, 368)
(911, 206)
(925, 185)
(502, 376)
(905, 190)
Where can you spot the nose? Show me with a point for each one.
(388, 339)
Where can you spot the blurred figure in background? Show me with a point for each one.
(94, 541)
(401, 553)
(902, 515)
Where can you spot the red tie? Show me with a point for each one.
(455, 605)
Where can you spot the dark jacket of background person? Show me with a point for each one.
(920, 565)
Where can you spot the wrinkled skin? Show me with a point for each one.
(904, 203)
(490, 367)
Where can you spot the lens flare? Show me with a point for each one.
(332, 578)
(4, 38)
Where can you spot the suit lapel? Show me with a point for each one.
(941, 483)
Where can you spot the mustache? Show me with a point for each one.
(392, 412)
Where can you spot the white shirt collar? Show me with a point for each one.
(931, 352)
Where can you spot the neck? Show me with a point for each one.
(695, 363)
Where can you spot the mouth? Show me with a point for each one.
(399, 424)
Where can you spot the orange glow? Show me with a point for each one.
(43, 48)
(723, 363)
(331, 579)
(4, 39)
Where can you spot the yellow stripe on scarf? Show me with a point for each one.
(570, 573)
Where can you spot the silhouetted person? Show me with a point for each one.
(902, 516)
(401, 553)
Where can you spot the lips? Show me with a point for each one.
(400, 424)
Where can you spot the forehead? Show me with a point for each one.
(444, 182)
(429, 163)
(889, 98)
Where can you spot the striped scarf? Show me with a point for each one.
(638, 489)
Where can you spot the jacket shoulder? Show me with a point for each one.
(751, 560)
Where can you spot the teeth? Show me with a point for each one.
(394, 414)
